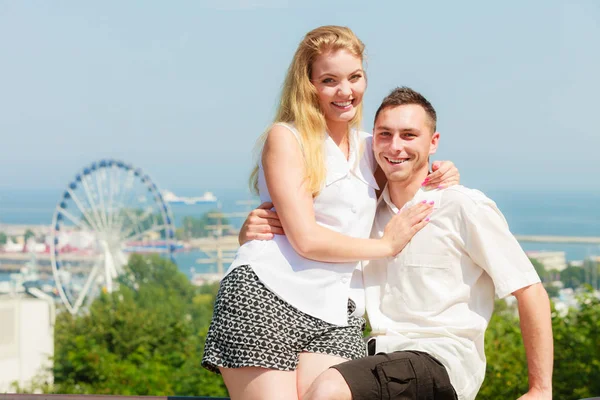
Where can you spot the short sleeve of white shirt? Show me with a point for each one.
(491, 245)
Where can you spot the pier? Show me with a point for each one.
(558, 239)
(226, 242)
(230, 242)
(13, 262)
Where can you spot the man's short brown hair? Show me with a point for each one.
(404, 95)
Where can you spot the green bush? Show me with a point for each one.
(146, 338)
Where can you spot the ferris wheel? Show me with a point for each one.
(109, 210)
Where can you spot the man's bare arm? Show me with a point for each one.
(536, 329)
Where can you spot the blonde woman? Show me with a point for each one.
(282, 314)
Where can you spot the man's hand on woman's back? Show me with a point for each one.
(261, 224)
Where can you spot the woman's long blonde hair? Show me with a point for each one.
(299, 104)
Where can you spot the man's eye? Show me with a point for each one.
(384, 133)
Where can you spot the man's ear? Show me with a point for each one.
(435, 138)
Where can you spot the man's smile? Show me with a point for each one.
(395, 161)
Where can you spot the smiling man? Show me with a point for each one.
(429, 307)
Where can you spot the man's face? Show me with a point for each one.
(403, 139)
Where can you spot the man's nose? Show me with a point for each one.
(397, 143)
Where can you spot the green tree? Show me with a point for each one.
(506, 370)
(576, 353)
(3, 238)
(28, 233)
(180, 234)
(539, 268)
(591, 270)
(577, 350)
(145, 338)
(197, 227)
(572, 277)
(552, 290)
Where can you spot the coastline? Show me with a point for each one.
(528, 212)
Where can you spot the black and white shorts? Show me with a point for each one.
(252, 327)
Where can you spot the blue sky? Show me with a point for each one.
(182, 89)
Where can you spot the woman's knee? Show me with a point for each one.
(330, 385)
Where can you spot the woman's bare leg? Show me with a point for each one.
(310, 366)
(254, 383)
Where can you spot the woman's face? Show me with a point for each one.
(340, 81)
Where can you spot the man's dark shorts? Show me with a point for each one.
(402, 375)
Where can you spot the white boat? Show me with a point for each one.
(172, 198)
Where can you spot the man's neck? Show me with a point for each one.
(403, 192)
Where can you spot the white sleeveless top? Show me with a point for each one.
(346, 204)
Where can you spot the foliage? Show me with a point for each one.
(592, 272)
(577, 350)
(146, 338)
(28, 234)
(3, 238)
(576, 353)
(539, 268)
(506, 371)
(552, 290)
(572, 277)
(197, 227)
(139, 220)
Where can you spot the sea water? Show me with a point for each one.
(528, 212)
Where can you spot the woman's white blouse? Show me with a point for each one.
(347, 205)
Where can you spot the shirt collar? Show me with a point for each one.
(434, 195)
(338, 167)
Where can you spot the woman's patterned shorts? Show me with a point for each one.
(252, 327)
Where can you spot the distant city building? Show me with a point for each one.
(582, 263)
(577, 263)
(26, 337)
(552, 260)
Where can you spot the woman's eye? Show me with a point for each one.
(356, 77)
(328, 80)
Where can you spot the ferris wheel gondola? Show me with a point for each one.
(109, 210)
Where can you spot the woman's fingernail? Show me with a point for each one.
(440, 187)
(431, 202)
(427, 219)
(424, 201)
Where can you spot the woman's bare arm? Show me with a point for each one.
(283, 165)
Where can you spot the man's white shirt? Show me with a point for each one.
(438, 294)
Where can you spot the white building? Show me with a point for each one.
(26, 337)
(552, 260)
